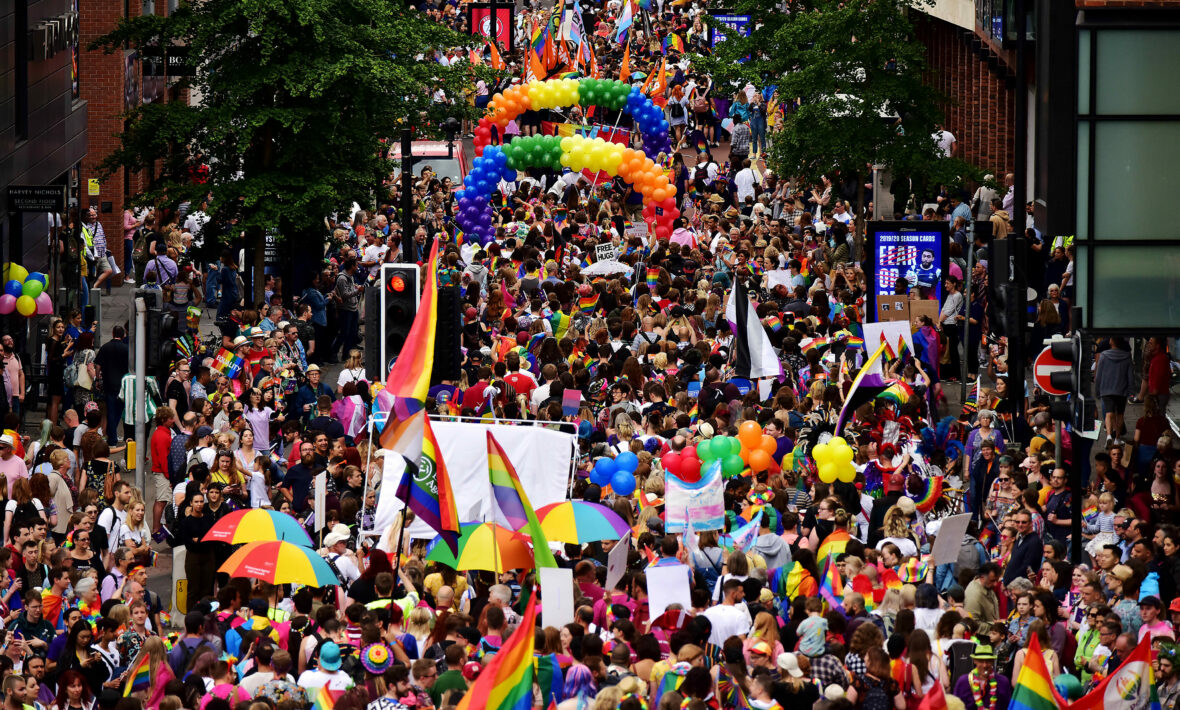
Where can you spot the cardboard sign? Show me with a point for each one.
(321, 498)
(616, 562)
(667, 585)
(891, 308)
(950, 539)
(557, 595)
(922, 308)
(604, 252)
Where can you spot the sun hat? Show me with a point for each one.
(376, 658)
(330, 657)
(240, 341)
(907, 505)
(7, 440)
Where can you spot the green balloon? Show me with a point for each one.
(735, 446)
(32, 289)
(732, 465)
(705, 450)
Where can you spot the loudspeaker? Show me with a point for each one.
(448, 356)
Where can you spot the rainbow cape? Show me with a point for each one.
(670, 681)
(652, 276)
(793, 581)
(512, 506)
(506, 683)
(832, 546)
(549, 678)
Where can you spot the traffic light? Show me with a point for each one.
(1079, 380)
(1007, 299)
(163, 328)
(389, 312)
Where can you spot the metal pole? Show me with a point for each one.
(140, 390)
(407, 198)
(1058, 449)
(967, 321)
(1020, 172)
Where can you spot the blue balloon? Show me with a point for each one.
(602, 472)
(509, 175)
(13, 288)
(626, 462)
(623, 483)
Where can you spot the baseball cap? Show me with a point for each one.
(896, 482)
(1175, 605)
(203, 431)
(761, 648)
(1151, 601)
(789, 663)
(471, 670)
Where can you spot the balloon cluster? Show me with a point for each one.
(750, 449)
(834, 460)
(575, 152)
(24, 292)
(608, 93)
(618, 472)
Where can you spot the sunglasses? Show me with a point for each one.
(1003, 479)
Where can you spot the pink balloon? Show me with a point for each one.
(7, 304)
(44, 304)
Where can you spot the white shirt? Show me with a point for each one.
(109, 518)
(727, 621)
(946, 141)
(347, 568)
(347, 375)
(907, 546)
(259, 497)
(195, 224)
(313, 680)
(745, 182)
(375, 253)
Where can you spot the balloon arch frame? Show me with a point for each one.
(496, 163)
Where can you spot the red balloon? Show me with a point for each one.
(690, 453)
(690, 470)
(672, 462)
(663, 232)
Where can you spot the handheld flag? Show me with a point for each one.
(1033, 689)
(625, 71)
(495, 61)
(506, 682)
(626, 19)
(426, 490)
(512, 506)
(755, 356)
(140, 677)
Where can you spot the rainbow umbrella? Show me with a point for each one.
(279, 562)
(256, 525)
(485, 546)
(580, 522)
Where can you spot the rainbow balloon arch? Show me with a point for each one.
(496, 163)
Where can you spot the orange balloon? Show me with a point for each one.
(758, 460)
(671, 190)
(659, 194)
(750, 434)
(768, 444)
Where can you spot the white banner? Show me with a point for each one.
(877, 333)
(541, 457)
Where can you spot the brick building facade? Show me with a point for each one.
(980, 87)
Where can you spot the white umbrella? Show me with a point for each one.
(605, 268)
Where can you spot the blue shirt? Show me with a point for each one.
(319, 306)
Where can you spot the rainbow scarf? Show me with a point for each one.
(90, 614)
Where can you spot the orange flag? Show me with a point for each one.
(657, 83)
(625, 72)
(475, 58)
(496, 61)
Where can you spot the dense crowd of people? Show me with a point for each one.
(277, 393)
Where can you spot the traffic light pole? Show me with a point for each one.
(407, 198)
(141, 445)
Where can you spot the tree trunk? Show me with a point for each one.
(258, 242)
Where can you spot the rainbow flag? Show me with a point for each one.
(653, 276)
(427, 490)
(897, 392)
(1034, 689)
(774, 323)
(831, 586)
(1130, 686)
(506, 682)
(674, 43)
(549, 678)
(326, 699)
(228, 364)
(832, 546)
(1090, 514)
(560, 323)
(140, 677)
(792, 581)
(513, 509)
(409, 379)
(670, 681)
(588, 304)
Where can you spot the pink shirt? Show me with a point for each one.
(225, 691)
(128, 224)
(13, 469)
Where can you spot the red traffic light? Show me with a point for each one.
(396, 284)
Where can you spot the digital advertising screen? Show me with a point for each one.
(913, 251)
(733, 22)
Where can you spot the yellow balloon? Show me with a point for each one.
(14, 272)
(846, 472)
(789, 461)
(567, 144)
(26, 306)
(838, 441)
(827, 473)
(822, 454)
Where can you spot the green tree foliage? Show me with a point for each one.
(291, 101)
(850, 72)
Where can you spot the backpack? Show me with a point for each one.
(186, 653)
(177, 460)
(676, 109)
(700, 104)
(968, 556)
(874, 696)
(139, 251)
